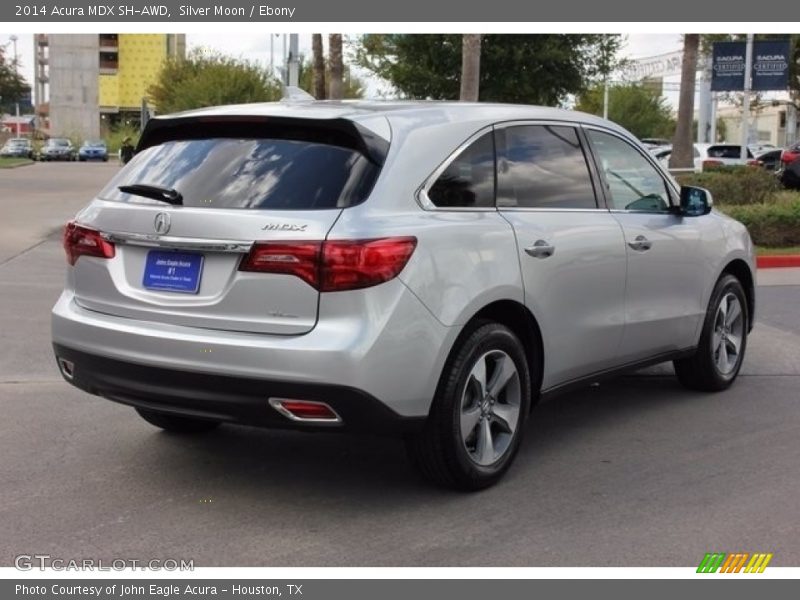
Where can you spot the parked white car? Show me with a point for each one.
(709, 155)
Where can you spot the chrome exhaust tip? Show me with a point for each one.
(67, 368)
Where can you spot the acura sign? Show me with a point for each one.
(770, 70)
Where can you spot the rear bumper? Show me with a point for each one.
(381, 341)
(224, 398)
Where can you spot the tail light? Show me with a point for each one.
(754, 163)
(300, 259)
(351, 265)
(333, 266)
(82, 241)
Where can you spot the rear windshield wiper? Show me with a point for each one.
(156, 192)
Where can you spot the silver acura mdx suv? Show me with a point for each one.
(428, 269)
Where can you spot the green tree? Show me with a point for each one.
(206, 78)
(532, 69)
(640, 110)
(12, 85)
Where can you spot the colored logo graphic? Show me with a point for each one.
(740, 562)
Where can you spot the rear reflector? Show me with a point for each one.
(305, 410)
(333, 266)
(82, 241)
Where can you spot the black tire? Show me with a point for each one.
(701, 370)
(175, 423)
(439, 451)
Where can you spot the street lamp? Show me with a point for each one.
(14, 39)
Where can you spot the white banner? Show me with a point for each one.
(663, 65)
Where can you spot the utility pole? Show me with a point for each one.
(284, 63)
(13, 39)
(748, 85)
(791, 123)
(712, 137)
(294, 62)
(704, 109)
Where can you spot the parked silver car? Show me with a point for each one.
(17, 148)
(429, 269)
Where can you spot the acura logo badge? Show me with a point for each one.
(162, 223)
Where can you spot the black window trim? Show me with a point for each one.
(422, 193)
(669, 184)
(426, 203)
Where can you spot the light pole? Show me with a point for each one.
(13, 39)
(748, 85)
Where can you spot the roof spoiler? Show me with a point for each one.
(334, 132)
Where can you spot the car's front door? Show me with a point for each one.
(663, 300)
(571, 250)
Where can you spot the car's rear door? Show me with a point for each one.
(571, 250)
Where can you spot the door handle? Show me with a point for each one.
(540, 249)
(640, 244)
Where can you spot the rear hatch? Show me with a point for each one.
(200, 197)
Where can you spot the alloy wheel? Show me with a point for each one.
(490, 407)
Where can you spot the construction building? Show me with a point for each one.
(86, 83)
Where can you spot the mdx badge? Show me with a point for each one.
(283, 227)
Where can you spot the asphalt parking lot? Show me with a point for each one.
(635, 472)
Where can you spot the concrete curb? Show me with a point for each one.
(777, 261)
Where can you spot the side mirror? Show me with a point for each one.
(695, 201)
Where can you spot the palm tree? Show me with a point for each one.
(470, 66)
(318, 65)
(336, 66)
(682, 148)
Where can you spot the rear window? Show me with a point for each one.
(727, 151)
(275, 174)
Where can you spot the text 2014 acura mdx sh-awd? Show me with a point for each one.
(427, 269)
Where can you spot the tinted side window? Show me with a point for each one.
(634, 183)
(469, 180)
(543, 166)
